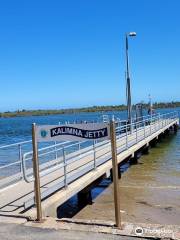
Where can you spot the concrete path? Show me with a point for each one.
(9, 231)
(12, 228)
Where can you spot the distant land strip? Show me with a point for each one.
(122, 107)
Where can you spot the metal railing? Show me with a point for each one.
(66, 159)
(73, 165)
(79, 150)
(11, 171)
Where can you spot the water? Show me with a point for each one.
(149, 191)
(17, 129)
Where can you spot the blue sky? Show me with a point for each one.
(60, 54)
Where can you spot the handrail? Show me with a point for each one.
(15, 144)
(152, 124)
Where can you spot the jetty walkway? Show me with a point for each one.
(69, 168)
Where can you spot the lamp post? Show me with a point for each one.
(150, 105)
(150, 112)
(128, 82)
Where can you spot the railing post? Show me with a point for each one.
(115, 175)
(144, 129)
(94, 151)
(56, 156)
(162, 121)
(126, 137)
(79, 148)
(136, 133)
(120, 127)
(65, 167)
(37, 189)
(20, 159)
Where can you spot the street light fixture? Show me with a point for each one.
(132, 34)
(128, 82)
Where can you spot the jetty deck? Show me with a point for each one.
(63, 176)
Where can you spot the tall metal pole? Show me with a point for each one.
(128, 82)
(37, 190)
(115, 175)
(128, 86)
(150, 105)
(150, 109)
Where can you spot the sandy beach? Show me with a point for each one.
(149, 191)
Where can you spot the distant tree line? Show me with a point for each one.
(122, 107)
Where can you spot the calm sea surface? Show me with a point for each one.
(17, 129)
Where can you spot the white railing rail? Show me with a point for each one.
(60, 155)
(74, 151)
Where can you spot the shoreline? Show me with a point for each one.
(94, 109)
(149, 190)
